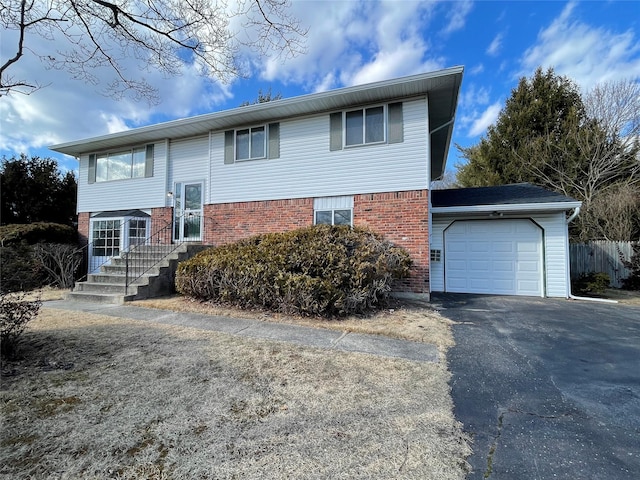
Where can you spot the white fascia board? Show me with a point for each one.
(522, 207)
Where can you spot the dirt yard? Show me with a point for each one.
(102, 397)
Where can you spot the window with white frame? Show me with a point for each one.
(251, 143)
(366, 125)
(105, 235)
(122, 164)
(333, 217)
(333, 210)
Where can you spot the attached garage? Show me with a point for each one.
(507, 240)
(494, 256)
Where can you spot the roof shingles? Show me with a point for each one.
(514, 194)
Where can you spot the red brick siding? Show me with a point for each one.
(83, 227)
(161, 225)
(402, 217)
(229, 222)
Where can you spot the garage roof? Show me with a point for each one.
(519, 196)
(441, 87)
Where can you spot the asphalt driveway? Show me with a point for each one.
(548, 389)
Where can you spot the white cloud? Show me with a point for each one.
(67, 109)
(586, 54)
(478, 69)
(473, 95)
(337, 31)
(495, 46)
(457, 15)
(357, 42)
(488, 117)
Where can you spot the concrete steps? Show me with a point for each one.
(154, 265)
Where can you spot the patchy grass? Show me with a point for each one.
(407, 321)
(47, 293)
(102, 397)
(627, 297)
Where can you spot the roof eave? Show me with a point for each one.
(521, 207)
(446, 82)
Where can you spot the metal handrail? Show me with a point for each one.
(88, 266)
(141, 258)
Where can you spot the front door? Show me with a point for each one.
(188, 212)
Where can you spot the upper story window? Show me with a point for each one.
(367, 125)
(134, 162)
(251, 143)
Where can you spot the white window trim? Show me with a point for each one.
(332, 204)
(107, 154)
(250, 158)
(385, 126)
(333, 215)
(124, 235)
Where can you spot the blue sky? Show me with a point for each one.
(349, 43)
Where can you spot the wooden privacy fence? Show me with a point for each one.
(601, 256)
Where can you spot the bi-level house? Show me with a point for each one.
(362, 155)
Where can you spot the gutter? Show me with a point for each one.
(575, 213)
(512, 207)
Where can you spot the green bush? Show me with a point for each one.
(591, 283)
(39, 232)
(319, 270)
(15, 313)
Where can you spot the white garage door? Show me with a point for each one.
(494, 256)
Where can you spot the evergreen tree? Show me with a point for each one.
(546, 106)
(545, 136)
(34, 190)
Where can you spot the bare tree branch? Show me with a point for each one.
(91, 37)
(597, 162)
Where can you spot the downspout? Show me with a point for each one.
(429, 229)
(575, 213)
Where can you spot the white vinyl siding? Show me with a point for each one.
(189, 162)
(307, 167)
(555, 254)
(146, 192)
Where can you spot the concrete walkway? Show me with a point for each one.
(306, 336)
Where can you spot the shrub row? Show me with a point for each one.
(319, 270)
(38, 232)
(32, 256)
